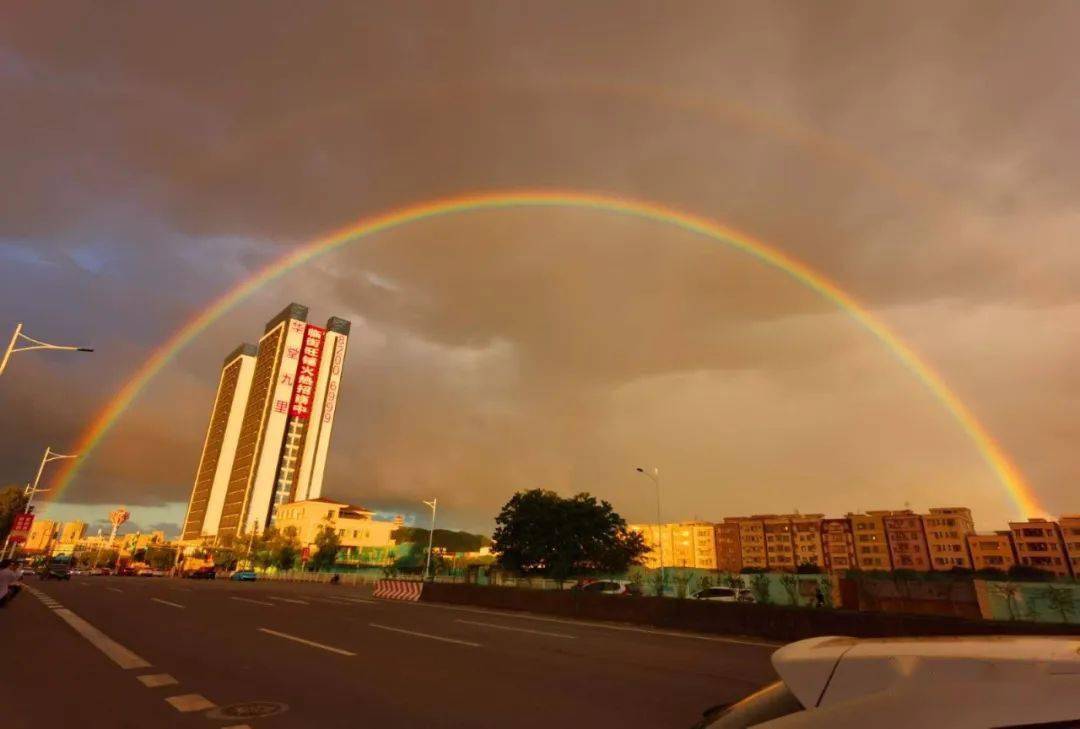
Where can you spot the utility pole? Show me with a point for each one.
(31, 490)
(655, 478)
(431, 535)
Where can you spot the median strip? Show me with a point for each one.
(426, 635)
(305, 641)
(516, 630)
(256, 602)
(166, 602)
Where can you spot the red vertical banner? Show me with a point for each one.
(307, 372)
(20, 527)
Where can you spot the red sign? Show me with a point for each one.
(307, 372)
(305, 554)
(20, 527)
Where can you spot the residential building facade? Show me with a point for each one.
(871, 547)
(1039, 544)
(906, 538)
(991, 551)
(728, 546)
(806, 531)
(359, 533)
(837, 545)
(1070, 533)
(946, 530)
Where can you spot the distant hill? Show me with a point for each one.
(444, 538)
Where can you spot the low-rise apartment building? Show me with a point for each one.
(779, 543)
(807, 540)
(1039, 544)
(871, 547)
(946, 530)
(728, 546)
(752, 542)
(907, 541)
(837, 545)
(356, 527)
(685, 544)
(991, 551)
(1070, 533)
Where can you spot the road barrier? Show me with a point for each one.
(775, 622)
(409, 590)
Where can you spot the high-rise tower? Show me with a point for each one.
(279, 452)
(219, 447)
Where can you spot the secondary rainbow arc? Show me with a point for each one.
(992, 453)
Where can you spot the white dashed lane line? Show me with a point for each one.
(190, 702)
(256, 602)
(288, 599)
(429, 636)
(120, 655)
(114, 589)
(496, 626)
(166, 602)
(305, 641)
(153, 680)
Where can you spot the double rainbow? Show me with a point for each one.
(1007, 473)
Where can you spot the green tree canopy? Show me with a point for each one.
(539, 532)
(12, 502)
(328, 543)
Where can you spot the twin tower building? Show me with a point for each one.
(270, 428)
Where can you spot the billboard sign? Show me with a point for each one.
(20, 527)
(307, 372)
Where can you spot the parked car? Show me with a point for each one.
(151, 572)
(202, 573)
(243, 576)
(724, 594)
(894, 683)
(610, 587)
(99, 571)
(55, 572)
(125, 571)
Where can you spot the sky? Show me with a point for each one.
(921, 155)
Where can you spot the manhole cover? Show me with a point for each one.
(248, 710)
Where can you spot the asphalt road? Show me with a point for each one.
(331, 656)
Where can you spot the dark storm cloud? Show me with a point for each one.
(920, 155)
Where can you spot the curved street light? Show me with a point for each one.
(431, 535)
(30, 490)
(34, 344)
(654, 476)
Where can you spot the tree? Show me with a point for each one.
(1061, 600)
(327, 542)
(12, 502)
(1008, 591)
(790, 583)
(160, 558)
(539, 532)
(759, 583)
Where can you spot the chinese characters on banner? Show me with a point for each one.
(335, 375)
(20, 527)
(307, 371)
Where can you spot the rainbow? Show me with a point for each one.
(1007, 473)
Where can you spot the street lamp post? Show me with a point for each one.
(431, 535)
(33, 344)
(655, 478)
(31, 490)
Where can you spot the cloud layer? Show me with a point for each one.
(921, 156)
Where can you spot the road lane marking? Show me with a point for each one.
(356, 599)
(114, 589)
(426, 635)
(288, 599)
(257, 602)
(516, 630)
(120, 655)
(153, 680)
(305, 641)
(190, 702)
(606, 626)
(166, 602)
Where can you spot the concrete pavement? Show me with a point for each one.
(329, 656)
